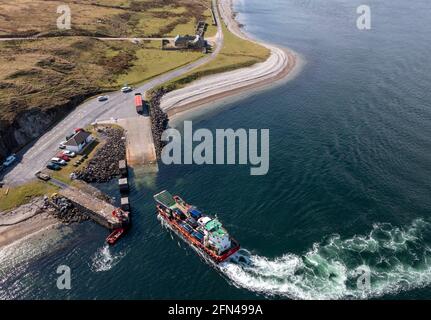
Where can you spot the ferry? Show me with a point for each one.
(203, 232)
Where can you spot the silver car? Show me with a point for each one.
(102, 98)
(59, 161)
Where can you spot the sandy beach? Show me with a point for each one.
(24, 221)
(280, 64)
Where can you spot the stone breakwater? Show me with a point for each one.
(159, 120)
(103, 167)
(64, 210)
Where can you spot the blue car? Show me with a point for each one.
(53, 166)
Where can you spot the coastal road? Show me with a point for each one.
(119, 106)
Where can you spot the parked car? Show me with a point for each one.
(62, 145)
(59, 161)
(63, 157)
(53, 166)
(126, 89)
(42, 176)
(102, 98)
(70, 154)
(9, 160)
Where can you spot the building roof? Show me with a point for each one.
(215, 227)
(166, 199)
(78, 138)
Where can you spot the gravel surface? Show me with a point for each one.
(103, 167)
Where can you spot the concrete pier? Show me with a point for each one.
(98, 210)
(139, 139)
(140, 150)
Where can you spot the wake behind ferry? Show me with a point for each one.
(202, 231)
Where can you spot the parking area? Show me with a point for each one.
(70, 156)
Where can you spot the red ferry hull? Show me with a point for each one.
(196, 243)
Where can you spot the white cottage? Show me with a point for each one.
(78, 141)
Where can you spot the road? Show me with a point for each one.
(118, 106)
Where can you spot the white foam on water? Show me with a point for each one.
(399, 259)
(104, 259)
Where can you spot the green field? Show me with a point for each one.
(236, 53)
(50, 72)
(144, 66)
(23, 194)
(128, 18)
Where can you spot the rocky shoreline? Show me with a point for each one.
(103, 167)
(159, 120)
(40, 213)
(63, 210)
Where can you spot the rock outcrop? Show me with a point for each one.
(104, 165)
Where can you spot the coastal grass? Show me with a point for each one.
(127, 18)
(189, 27)
(236, 53)
(48, 73)
(151, 61)
(15, 196)
(62, 69)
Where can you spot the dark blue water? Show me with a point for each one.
(348, 184)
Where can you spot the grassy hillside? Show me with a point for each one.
(116, 18)
(50, 72)
(42, 80)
